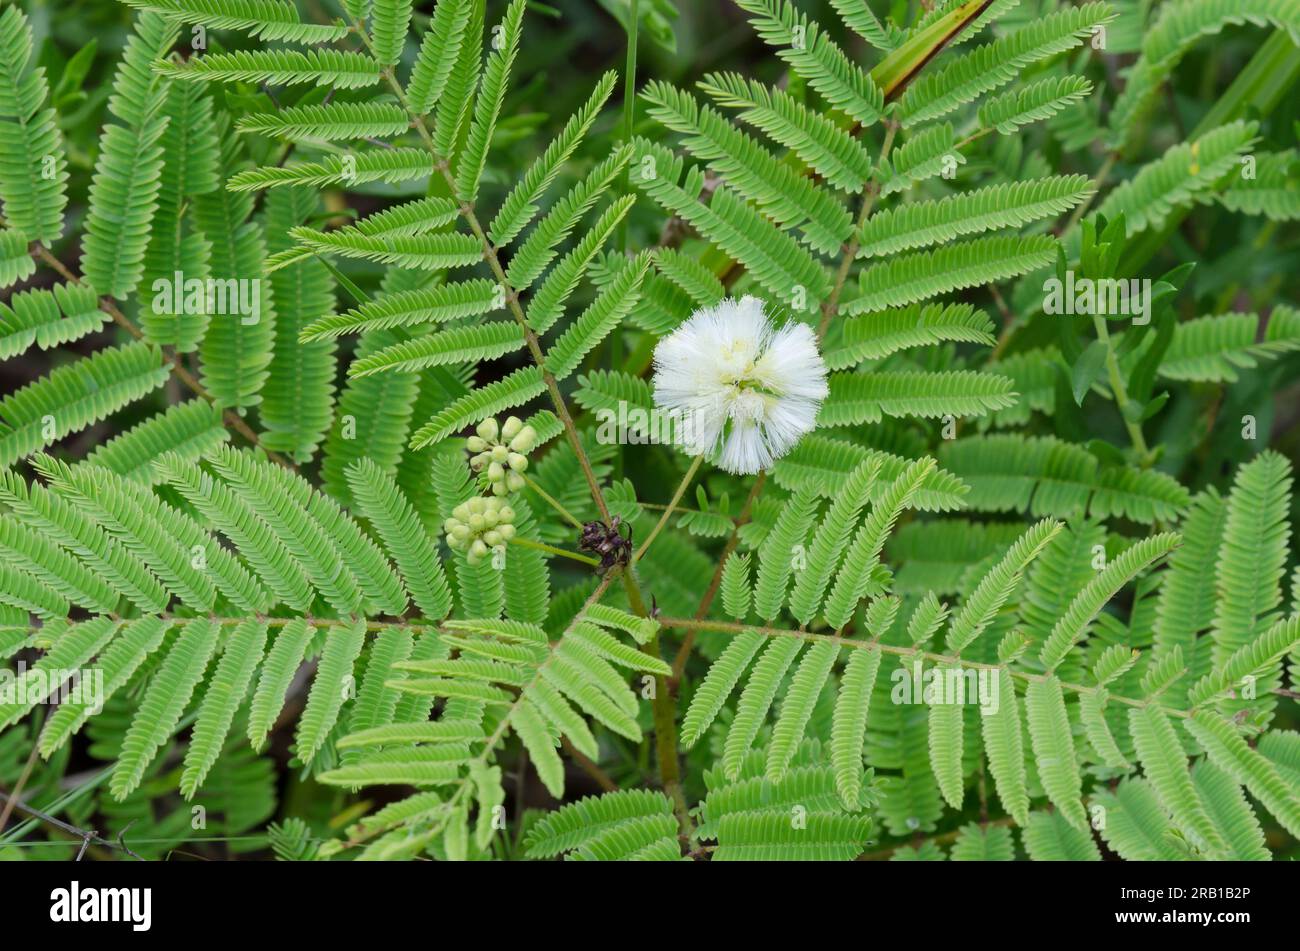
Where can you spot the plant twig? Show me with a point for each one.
(107, 304)
(553, 502)
(490, 255)
(1120, 391)
(587, 766)
(664, 712)
(87, 836)
(831, 307)
(668, 511)
(706, 602)
(562, 552)
(730, 627)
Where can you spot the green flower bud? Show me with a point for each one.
(478, 548)
(477, 523)
(492, 537)
(462, 511)
(514, 481)
(475, 444)
(506, 531)
(517, 462)
(488, 429)
(507, 514)
(491, 518)
(525, 441)
(500, 488)
(511, 428)
(496, 472)
(477, 505)
(500, 453)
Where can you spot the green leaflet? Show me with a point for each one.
(946, 738)
(828, 544)
(854, 580)
(756, 699)
(850, 723)
(403, 537)
(1230, 753)
(487, 104)
(1004, 743)
(164, 702)
(333, 685)
(1049, 732)
(224, 696)
(810, 676)
(921, 275)
(1165, 766)
(718, 684)
(737, 589)
(1073, 624)
(268, 19)
(33, 204)
(987, 209)
(777, 554)
(124, 196)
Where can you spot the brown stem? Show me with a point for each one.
(87, 836)
(664, 709)
(831, 307)
(731, 627)
(109, 306)
(684, 652)
(587, 766)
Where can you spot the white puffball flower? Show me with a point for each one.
(740, 388)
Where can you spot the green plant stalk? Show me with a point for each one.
(664, 715)
(562, 552)
(1120, 391)
(832, 306)
(669, 509)
(557, 398)
(895, 71)
(729, 627)
(489, 747)
(629, 107)
(629, 123)
(552, 502)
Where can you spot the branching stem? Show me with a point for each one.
(938, 659)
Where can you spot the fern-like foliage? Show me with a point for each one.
(378, 493)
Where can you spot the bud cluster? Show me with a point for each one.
(502, 452)
(478, 526)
